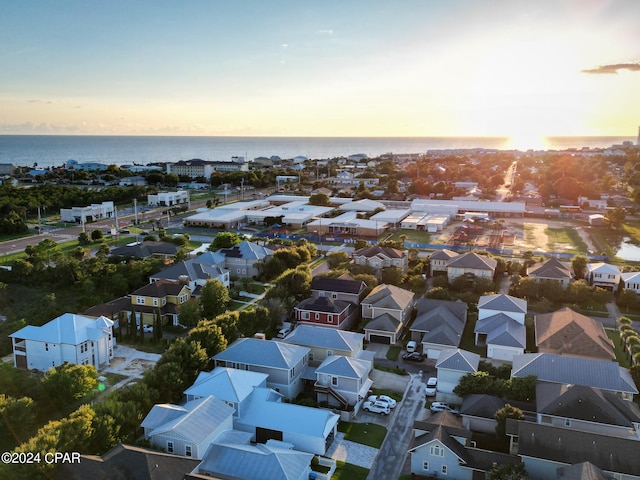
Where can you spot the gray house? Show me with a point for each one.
(439, 325)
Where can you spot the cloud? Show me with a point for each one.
(613, 68)
(48, 102)
(325, 32)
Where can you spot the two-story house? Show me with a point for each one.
(343, 381)
(379, 258)
(500, 326)
(283, 362)
(195, 272)
(438, 325)
(242, 259)
(343, 288)
(472, 266)
(389, 308)
(165, 296)
(68, 338)
(604, 275)
(324, 342)
(326, 312)
(439, 261)
(552, 270)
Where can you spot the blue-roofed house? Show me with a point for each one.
(569, 370)
(230, 385)
(452, 365)
(241, 259)
(283, 362)
(324, 342)
(195, 272)
(257, 462)
(187, 429)
(267, 417)
(343, 381)
(500, 326)
(69, 338)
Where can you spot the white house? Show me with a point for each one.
(69, 338)
(631, 281)
(168, 199)
(187, 429)
(603, 275)
(500, 326)
(452, 365)
(91, 213)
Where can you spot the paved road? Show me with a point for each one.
(391, 456)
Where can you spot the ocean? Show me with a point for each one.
(55, 150)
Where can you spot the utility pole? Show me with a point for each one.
(242, 187)
(135, 210)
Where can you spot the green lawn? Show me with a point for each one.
(621, 354)
(369, 434)
(348, 471)
(412, 236)
(565, 235)
(236, 305)
(469, 338)
(393, 353)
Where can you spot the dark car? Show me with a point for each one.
(413, 357)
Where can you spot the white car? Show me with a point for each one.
(382, 398)
(377, 407)
(432, 387)
(147, 328)
(442, 407)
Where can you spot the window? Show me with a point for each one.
(436, 451)
(155, 302)
(567, 422)
(334, 381)
(311, 356)
(46, 347)
(321, 294)
(187, 450)
(425, 466)
(304, 315)
(330, 318)
(169, 447)
(329, 353)
(317, 316)
(140, 300)
(444, 469)
(334, 296)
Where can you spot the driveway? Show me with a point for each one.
(131, 363)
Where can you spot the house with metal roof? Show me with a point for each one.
(195, 272)
(343, 381)
(241, 259)
(550, 368)
(187, 429)
(230, 385)
(587, 409)
(268, 461)
(472, 266)
(566, 332)
(68, 338)
(324, 342)
(438, 325)
(452, 365)
(441, 447)
(478, 412)
(604, 275)
(551, 270)
(342, 288)
(389, 308)
(283, 362)
(267, 417)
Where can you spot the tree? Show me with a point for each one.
(501, 416)
(523, 388)
(190, 313)
(84, 239)
(215, 298)
(508, 471)
(68, 382)
(225, 240)
(628, 299)
(392, 276)
(97, 235)
(579, 265)
(209, 335)
(320, 199)
(616, 217)
(17, 417)
(334, 260)
(479, 382)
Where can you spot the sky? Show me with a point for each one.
(517, 68)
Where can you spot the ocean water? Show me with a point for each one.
(55, 150)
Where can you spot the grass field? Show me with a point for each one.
(621, 356)
(412, 236)
(365, 433)
(560, 237)
(348, 471)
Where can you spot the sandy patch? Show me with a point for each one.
(137, 367)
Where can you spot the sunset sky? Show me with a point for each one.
(517, 68)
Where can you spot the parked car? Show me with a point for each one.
(413, 357)
(412, 346)
(147, 328)
(432, 387)
(285, 330)
(377, 407)
(442, 407)
(383, 398)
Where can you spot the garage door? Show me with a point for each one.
(380, 339)
(433, 353)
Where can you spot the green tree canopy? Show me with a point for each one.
(214, 299)
(68, 382)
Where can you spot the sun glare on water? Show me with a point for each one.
(526, 142)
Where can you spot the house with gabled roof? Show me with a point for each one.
(389, 308)
(69, 338)
(257, 462)
(578, 471)
(439, 260)
(187, 429)
(344, 288)
(343, 381)
(283, 362)
(478, 412)
(267, 417)
(631, 281)
(194, 272)
(550, 368)
(147, 248)
(441, 447)
(378, 257)
(472, 266)
(566, 332)
(438, 325)
(552, 270)
(164, 296)
(587, 409)
(604, 275)
(324, 342)
(452, 365)
(500, 326)
(545, 449)
(326, 312)
(231, 385)
(241, 259)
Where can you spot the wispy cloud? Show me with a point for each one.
(326, 31)
(613, 68)
(35, 100)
